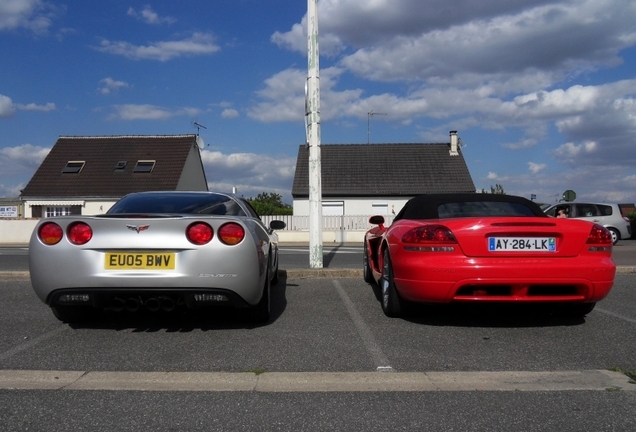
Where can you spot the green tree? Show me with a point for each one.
(267, 204)
(497, 189)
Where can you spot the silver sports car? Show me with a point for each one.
(156, 251)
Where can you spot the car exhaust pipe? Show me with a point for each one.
(153, 304)
(167, 304)
(132, 304)
(117, 304)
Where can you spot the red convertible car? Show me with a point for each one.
(444, 248)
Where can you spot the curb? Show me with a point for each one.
(585, 380)
(304, 273)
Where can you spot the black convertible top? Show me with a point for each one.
(439, 206)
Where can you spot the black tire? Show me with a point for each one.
(75, 314)
(392, 304)
(275, 275)
(261, 312)
(577, 310)
(366, 266)
(616, 236)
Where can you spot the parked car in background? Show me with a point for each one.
(487, 248)
(156, 251)
(607, 214)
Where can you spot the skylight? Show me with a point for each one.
(144, 166)
(73, 167)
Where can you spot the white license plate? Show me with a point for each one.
(527, 244)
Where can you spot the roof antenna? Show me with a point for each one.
(198, 126)
(200, 142)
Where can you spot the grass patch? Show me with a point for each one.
(257, 371)
(629, 373)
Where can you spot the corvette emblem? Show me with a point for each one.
(138, 229)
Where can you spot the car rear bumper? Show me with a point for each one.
(152, 299)
(505, 280)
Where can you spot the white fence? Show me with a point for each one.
(335, 228)
(329, 223)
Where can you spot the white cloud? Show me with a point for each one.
(535, 168)
(6, 107)
(23, 156)
(35, 107)
(149, 16)
(108, 85)
(250, 173)
(198, 44)
(229, 113)
(34, 15)
(150, 112)
(492, 176)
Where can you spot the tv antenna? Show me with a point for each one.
(198, 126)
(369, 115)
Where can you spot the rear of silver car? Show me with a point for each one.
(149, 262)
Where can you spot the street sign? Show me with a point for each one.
(569, 195)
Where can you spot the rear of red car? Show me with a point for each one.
(501, 259)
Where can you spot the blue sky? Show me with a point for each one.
(542, 92)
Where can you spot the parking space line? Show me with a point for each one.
(615, 315)
(380, 361)
(36, 340)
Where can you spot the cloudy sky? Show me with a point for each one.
(542, 92)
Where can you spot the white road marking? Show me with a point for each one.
(380, 361)
(36, 340)
(615, 315)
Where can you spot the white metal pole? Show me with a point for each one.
(313, 137)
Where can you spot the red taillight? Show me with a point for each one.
(231, 233)
(599, 236)
(50, 233)
(437, 234)
(199, 233)
(79, 233)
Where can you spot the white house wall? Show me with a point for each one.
(355, 206)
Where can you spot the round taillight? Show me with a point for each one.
(79, 233)
(50, 233)
(199, 233)
(231, 233)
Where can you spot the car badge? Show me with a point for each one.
(138, 229)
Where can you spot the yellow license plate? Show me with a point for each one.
(140, 261)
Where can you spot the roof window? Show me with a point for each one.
(144, 166)
(121, 165)
(73, 167)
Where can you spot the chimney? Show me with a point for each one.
(453, 143)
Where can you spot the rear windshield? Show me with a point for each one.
(483, 208)
(210, 204)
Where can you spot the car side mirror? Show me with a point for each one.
(277, 225)
(376, 220)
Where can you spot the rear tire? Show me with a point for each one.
(366, 265)
(616, 236)
(392, 304)
(75, 314)
(275, 275)
(261, 312)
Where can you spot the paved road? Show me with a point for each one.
(328, 360)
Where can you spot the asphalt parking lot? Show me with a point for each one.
(328, 359)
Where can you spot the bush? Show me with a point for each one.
(632, 220)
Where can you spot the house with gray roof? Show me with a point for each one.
(365, 179)
(87, 174)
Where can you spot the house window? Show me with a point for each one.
(144, 166)
(57, 211)
(73, 167)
